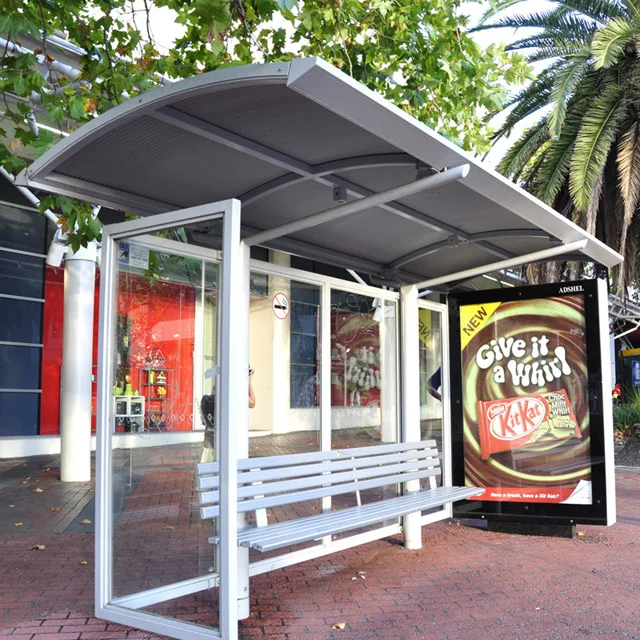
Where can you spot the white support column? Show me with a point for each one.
(234, 419)
(77, 352)
(410, 428)
(607, 403)
(388, 373)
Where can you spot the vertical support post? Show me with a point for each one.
(410, 427)
(607, 404)
(77, 352)
(325, 380)
(388, 372)
(104, 427)
(234, 415)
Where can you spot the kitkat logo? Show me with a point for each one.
(516, 418)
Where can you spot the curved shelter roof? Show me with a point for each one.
(294, 139)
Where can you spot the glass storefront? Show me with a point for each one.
(23, 236)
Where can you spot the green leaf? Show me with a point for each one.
(554, 169)
(610, 41)
(566, 80)
(593, 142)
(521, 152)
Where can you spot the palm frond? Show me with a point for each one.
(557, 45)
(532, 98)
(556, 19)
(632, 8)
(554, 169)
(566, 80)
(496, 8)
(599, 10)
(609, 41)
(593, 142)
(591, 214)
(629, 178)
(524, 149)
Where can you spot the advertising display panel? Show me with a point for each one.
(528, 415)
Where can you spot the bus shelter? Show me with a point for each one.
(244, 180)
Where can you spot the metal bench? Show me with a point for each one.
(274, 481)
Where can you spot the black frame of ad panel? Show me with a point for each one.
(547, 513)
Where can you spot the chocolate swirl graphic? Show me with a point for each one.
(562, 463)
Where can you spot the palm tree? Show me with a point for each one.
(582, 156)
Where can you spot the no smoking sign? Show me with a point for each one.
(280, 305)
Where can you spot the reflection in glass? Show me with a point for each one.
(363, 370)
(430, 353)
(21, 275)
(164, 332)
(430, 350)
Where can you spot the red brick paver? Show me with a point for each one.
(465, 583)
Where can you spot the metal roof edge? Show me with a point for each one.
(324, 84)
(47, 163)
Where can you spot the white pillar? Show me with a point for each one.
(242, 432)
(388, 377)
(410, 428)
(77, 351)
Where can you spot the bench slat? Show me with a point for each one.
(320, 480)
(257, 474)
(312, 494)
(284, 534)
(205, 468)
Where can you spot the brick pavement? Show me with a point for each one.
(465, 582)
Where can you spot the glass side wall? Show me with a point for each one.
(165, 334)
(431, 405)
(364, 376)
(363, 370)
(284, 355)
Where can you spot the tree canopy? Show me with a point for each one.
(416, 53)
(582, 156)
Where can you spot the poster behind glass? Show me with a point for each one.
(531, 423)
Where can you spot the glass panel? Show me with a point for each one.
(284, 354)
(430, 350)
(21, 275)
(363, 370)
(363, 383)
(20, 321)
(19, 414)
(21, 229)
(19, 367)
(165, 337)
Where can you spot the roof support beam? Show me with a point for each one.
(318, 173)
(475, 238)
(315, 219)
(119, 200)
(326, 169)
(315, 252)
(536, 256)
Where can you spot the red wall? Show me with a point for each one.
(162, 315)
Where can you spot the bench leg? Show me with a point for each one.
(243, 575)
(412, 530)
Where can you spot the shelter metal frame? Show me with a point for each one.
(233, 346)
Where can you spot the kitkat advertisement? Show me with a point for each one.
(524, 376)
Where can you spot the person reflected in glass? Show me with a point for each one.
(208, 414)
